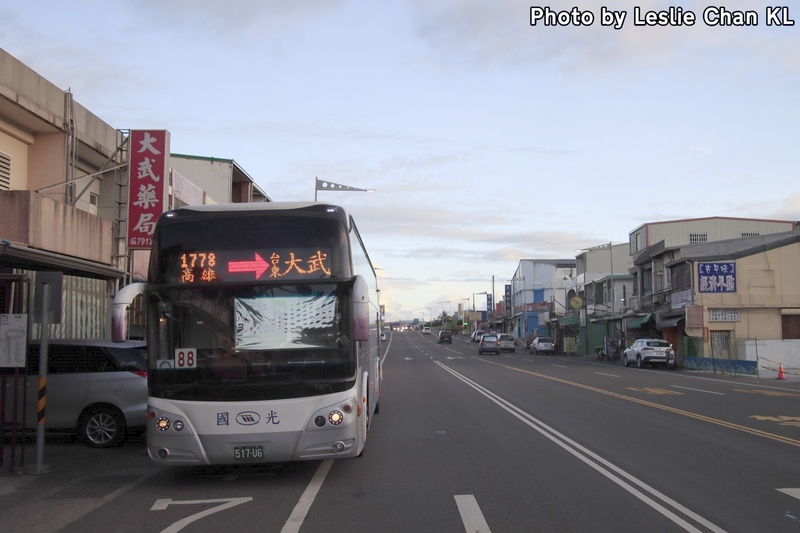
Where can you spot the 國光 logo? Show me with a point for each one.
(248, 418)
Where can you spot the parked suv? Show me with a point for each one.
(96, 387)
(445, 336)
(477, 334)
(542, 345)
(650, 352)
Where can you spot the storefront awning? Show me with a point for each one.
(668, 321)
(19, 256)
(572, 320)
(638, 322)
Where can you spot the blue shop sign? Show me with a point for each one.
(716, 277)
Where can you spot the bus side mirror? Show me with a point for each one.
(119, 313)
(360, 309)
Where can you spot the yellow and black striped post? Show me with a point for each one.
(42, 401)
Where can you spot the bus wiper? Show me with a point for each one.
(168, 391)
(294, 377)
(343, 341)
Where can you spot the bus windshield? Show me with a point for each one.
(252, 343)
(286, 318)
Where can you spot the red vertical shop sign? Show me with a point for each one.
(148, 166)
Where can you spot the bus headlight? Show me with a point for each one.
(162, 424)
(335, 416)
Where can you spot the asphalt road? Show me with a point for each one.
(468, 442)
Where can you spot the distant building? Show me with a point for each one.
(537, 289)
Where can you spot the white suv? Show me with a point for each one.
(650, 352)
(542, 345)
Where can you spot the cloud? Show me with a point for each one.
(699, 149)
(263, 19)
(485, 34)
(786, 209)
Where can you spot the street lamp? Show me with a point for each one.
(473, 298)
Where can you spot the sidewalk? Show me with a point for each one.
(77, 479)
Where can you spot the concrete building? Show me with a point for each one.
(627, 291)
(64, 200)
(597, 299)
(537, 289)
(660, 295)
(732, 304)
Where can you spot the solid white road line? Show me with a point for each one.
(301, 509)
(795, 493)
(649, 495)
(471, 515)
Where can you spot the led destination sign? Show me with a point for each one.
(204, 266)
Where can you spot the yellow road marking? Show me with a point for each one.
(653, 390)
(696, 416)
(781, 420)
(775, 393)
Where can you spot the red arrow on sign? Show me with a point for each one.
(258, 265)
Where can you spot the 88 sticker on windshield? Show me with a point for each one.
(185, 358)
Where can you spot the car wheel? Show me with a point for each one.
(625, 360)
(639, 363)
(102, 427)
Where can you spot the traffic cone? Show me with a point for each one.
(780, 372)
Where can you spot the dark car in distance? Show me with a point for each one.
(445, 336)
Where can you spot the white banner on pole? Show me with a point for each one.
(13, 332)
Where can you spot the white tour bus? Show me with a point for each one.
(263, 334)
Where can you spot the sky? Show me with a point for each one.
(487, 139)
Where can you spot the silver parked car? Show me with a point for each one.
(650, 352)
(96, 387)
(507, 342)
(542, 345)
